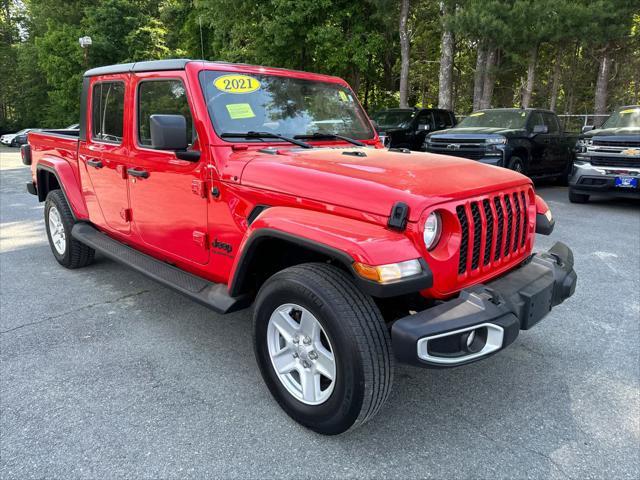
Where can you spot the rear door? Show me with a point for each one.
(104, 156)
(169, 206)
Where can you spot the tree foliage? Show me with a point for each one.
(542, 52)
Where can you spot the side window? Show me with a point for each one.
(536, 119)
(107, 112)
(161, 97)
(443, 119)
(424, 118)
(551, 122)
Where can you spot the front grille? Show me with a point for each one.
(621, 144)
(457, 140)
(615, 162)
(492, 229)
(470, 153)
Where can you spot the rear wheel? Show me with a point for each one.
(322, 347)
(577, 197)
(59, 221)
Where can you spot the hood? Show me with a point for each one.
(376, 180)
(474, 131)
(614, 132)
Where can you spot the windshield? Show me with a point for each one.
(394, 118)
(496, 118)
(627, 117)
(239, 103)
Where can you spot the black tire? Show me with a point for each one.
(517, 165)
(577, 197)
(358, 336)
(74, 254)
(563, 178)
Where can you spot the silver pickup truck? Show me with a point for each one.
(608, 158)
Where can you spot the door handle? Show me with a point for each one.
(95, 163)
(134, 172)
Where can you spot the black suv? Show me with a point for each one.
(407, 127)
(529, 141)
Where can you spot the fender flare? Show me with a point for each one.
(342, 239)
(69, 185)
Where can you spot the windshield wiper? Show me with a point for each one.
(265, 135)
(327, 136)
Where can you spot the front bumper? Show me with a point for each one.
(485, 319)
(590, 179)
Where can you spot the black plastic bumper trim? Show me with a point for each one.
(543, 225)
(516, 301)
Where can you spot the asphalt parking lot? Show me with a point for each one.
(106, 374)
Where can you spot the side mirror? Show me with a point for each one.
(168, 132)
(537, 129)
(587, 128)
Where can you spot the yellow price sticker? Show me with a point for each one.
(343, 96)
(236, 84)
(240, 110)
(629, 110)
(477, 114)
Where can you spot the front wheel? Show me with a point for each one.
(322, 347)
(517, 165)
(577, 197)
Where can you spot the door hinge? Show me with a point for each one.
(199, 187)
(200, 238)
(126, 214)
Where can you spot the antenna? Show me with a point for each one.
(201, 40)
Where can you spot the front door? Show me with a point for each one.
(168, 195)
(104, 156)
(541, 158)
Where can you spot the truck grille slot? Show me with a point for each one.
(614, 161)
(493, 230)
(525, 220)
(500, 215)
(623, 143)
(464, 245)
(489, 216)
(477, 233)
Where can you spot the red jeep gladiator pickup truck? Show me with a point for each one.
(240, 185)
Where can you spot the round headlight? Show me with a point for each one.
(432, 230)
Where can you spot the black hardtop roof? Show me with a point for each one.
(168, 64)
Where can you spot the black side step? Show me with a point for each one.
(212, 295)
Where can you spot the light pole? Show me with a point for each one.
(85, 43)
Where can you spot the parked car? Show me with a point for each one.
(608, 158)
(408, 127)
(276, 195)
(21, 139)
(529, 141)
(10, 138)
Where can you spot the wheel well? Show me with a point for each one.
(522, 153)
(267, 255)
(47, 181)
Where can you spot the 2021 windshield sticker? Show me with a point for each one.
(238, 84)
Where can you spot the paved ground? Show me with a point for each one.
(107, 374)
